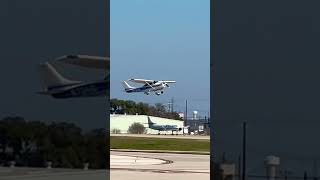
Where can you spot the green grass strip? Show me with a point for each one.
(170, 144)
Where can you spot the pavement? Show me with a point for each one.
(164, 136)
(124, 166)
(162, 166)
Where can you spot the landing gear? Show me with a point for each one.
(147, 93)
(159, 93)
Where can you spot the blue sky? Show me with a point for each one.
(162, 40)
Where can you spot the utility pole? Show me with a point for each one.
(171, 105)
(239, 167)
(185, 116)
(244, 151)
(305, 175)
(315, 170)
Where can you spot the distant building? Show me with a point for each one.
(198, 125)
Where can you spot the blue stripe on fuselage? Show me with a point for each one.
(141, 89)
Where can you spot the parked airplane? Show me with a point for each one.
(172, 128)
(60, 87)
(149, 86)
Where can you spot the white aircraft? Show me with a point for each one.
(148, 87)
(60, 87)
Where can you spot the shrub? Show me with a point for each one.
(136, 128)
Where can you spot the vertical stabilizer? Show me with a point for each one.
(150, 123)
(52, 78)
(126, 85)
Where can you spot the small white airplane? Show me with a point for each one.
(60, 87)
(148, 87)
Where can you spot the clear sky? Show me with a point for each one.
(162, 40)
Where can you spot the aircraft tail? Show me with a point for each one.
(150, 123)
(126, 85)
(52, 78)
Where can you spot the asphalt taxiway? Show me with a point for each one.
(159, 166)
(124, 166)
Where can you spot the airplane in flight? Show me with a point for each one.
(172, 128)
(148, 86)
(60, 87)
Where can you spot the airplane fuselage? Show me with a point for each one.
(165, 127)
(159, 128)
(146, 88)
(92, 89)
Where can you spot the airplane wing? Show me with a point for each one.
(95, 62)
(169, 81)
(142, 81)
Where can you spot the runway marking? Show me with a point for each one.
(124, 160)
(161, 171)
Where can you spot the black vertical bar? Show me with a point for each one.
(244, 152)
(285, 175)
(239, 167)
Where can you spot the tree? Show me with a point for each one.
(130, 107)
(160, 107)
(115, 131)
(136, 128)
(33, 143)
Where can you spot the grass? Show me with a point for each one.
(145, 143)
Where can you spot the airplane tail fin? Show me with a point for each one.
(126, 85)
(51, 77)
(150, 123)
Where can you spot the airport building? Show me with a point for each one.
(122, 122)
(198, 126)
